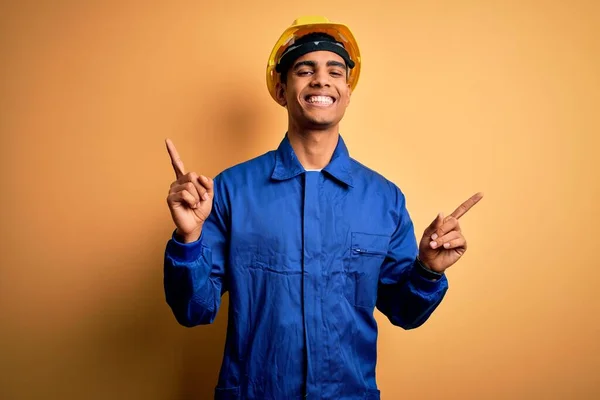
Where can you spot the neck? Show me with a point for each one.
(314, 148)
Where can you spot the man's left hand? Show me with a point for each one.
(443, 242)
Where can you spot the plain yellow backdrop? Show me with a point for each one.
(455, 97)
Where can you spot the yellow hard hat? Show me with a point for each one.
(310, 24)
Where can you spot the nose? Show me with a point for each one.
(320, 78)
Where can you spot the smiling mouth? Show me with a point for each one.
(320, 101)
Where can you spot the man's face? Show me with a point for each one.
(317, 92)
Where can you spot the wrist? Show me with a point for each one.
(188, 237)
(427, 272)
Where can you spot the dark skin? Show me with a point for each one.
(443, 243)
(313, 128)
(316, 95)
(317, 73)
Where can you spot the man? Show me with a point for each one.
(306, 240)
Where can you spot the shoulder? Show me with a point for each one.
(236, 179)
(252, 168)
(375, 181)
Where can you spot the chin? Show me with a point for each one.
(320, 121)
(319, 124)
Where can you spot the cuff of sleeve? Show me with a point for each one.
(422, 278)
(184, 252)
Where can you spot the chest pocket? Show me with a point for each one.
(367, 254)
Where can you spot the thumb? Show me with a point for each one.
(210, 186)
(436, 223)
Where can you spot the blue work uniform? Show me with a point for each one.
(305, 257)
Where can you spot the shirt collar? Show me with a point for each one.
(288, 166)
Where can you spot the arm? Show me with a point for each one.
(194, 273)
(406, 295)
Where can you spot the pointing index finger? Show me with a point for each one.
(175, 159)
(466, 206)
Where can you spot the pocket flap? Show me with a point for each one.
(369, 244)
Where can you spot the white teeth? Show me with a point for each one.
(325, 100)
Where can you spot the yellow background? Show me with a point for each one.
(455, 97)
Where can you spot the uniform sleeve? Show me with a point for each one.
(404, 296)
(195, 273)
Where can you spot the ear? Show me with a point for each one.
(280, 94)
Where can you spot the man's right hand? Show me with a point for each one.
(190, 199)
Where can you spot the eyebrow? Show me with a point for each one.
(336, 64)
(313, 64)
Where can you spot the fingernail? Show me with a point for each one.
(447, 244)
(433, 245)
(205, 197)
(434, 236)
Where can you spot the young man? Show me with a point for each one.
(306, 240)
